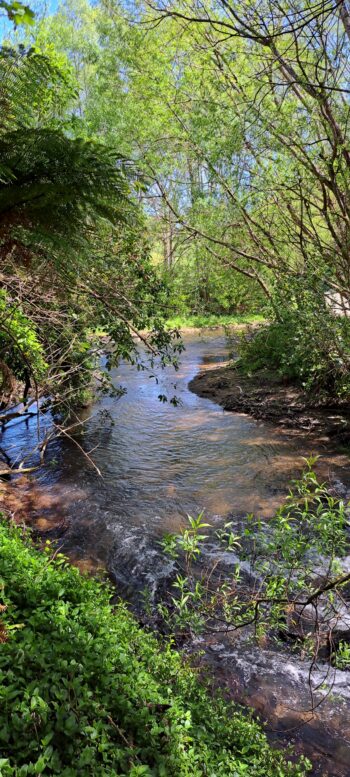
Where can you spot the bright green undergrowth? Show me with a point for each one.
(84, 690)
(181, 322)
(305, 341)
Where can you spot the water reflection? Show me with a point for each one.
(159, 462)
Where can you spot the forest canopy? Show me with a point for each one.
(238, 117)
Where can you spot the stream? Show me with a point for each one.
(158, 464)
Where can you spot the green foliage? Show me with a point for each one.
(57, 183)
(19, 342)
(306, 341)
(342, 656)
(283, 557)
(74, 255)
(311, 524)
(204, 288)
(17, 12)
(128, 86)
(207, 320)
(33, 85)
(84, 690)
(247, 171)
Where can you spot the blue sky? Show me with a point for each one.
(40, 7)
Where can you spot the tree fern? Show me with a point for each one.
(73, 256)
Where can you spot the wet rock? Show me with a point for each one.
(310, 708)
(217, 647)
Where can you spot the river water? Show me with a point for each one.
(158, 463)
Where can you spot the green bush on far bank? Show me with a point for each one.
(84, 690)
(207, 320)
(306, 341)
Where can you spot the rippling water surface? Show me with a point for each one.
(158, 463)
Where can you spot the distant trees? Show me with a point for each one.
(255, 101)
(137, 85)
(239, 117)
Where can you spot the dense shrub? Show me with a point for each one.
(305, 341)
(86, 691)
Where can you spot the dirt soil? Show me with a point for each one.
(268, 398)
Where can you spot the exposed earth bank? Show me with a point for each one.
(268, 398)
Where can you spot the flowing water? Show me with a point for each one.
(158, 463)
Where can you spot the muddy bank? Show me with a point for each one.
(269, 399)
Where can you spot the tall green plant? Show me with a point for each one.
(308, 340)
(286, 580)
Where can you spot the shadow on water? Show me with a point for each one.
(159, 463)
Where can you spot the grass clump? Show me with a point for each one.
(210, 320)
(84, 690)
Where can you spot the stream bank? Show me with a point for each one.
(267, 398)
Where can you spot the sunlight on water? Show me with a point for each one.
(158, 462)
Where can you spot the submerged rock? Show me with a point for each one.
(309, 706)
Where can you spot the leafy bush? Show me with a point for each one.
(342, 656)
(286, 580)
(85, 691)
(206, 320)
(305, 342)
(19, 343)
